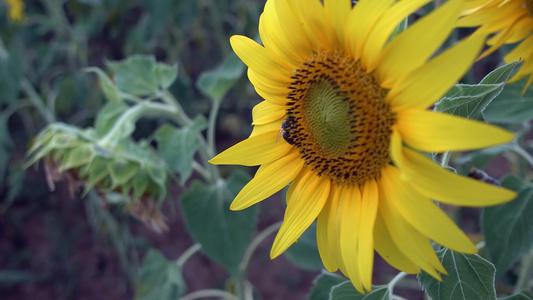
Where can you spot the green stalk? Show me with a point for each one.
(131, 115)
(526, 272)
(209, 293)
(243, 266)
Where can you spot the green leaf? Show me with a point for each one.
(6, 147)
(480, 159)
(11, 72)
(515, 110)
(216, 83)
(324, 283)
(470, 277)
(160, 278)
(304, 253)
(109, 88)
(223, 234)
(520, 296)
(108, 116)
(346, 291)
(142, 75)
(177, 146)
(508, 228)
(470, 101)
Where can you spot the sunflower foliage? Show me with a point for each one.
(396, 189)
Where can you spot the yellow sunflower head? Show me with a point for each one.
(344, 108)
(510, 22)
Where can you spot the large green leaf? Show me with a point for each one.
(470, 101)
(508, 228)
(304, 253)
(346, 291)
(223, 234)
(519, 296)
(142, 75)
(177, 146)
(516, 110)
(323, 284)
(216, 83)
(160, 278)
(470, 277)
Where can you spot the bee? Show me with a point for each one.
(284, 131)
(482, 176)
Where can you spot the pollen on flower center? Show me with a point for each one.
(338, 119)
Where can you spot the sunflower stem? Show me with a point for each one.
(395, 280)
(243, 267)
(209, 293)
(445, 159)
(526, 272)
(525, 155)
(188, 254)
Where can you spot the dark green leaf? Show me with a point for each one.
(346, 291)
(11, 72)
(216, 83)
(6, 147)
(177, 146)
(304, 253)
(160, 279)
(142, 75)
(223, 234)
(515, 110)
(470, 101)
(470, 277)
(519, 296)
(508, 228)
(323, 284)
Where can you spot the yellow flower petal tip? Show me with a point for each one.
(334, 89)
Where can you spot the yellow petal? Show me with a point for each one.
(424, 215)
(269, 179)
(327, 232)
(442, 185)
(253, 151)
(381, 32)
(369, 209)
(362, 18)
(410, 241)
(260, 59)
(302, 210)
(269, 127)
(413, 47)
(338, 12)
(422, 87)
(350, 219)
(319, 30)
(438, 132)
(272, 91)
(266, 112)
(292, 27)
(388, 250)
(275, 39)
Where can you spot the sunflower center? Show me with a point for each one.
(529, 6)
(338, 119)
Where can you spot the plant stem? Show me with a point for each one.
(213, 113)
(525, 155)
(36, 101)
(209, 293)
(130, 116)
(396, 279)
(187, 254)
(445, 159)
(243, 267)
(526, 273)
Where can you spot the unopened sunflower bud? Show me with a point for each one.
(131, 169)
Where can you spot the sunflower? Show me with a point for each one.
(344, 111)
(510, 22)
